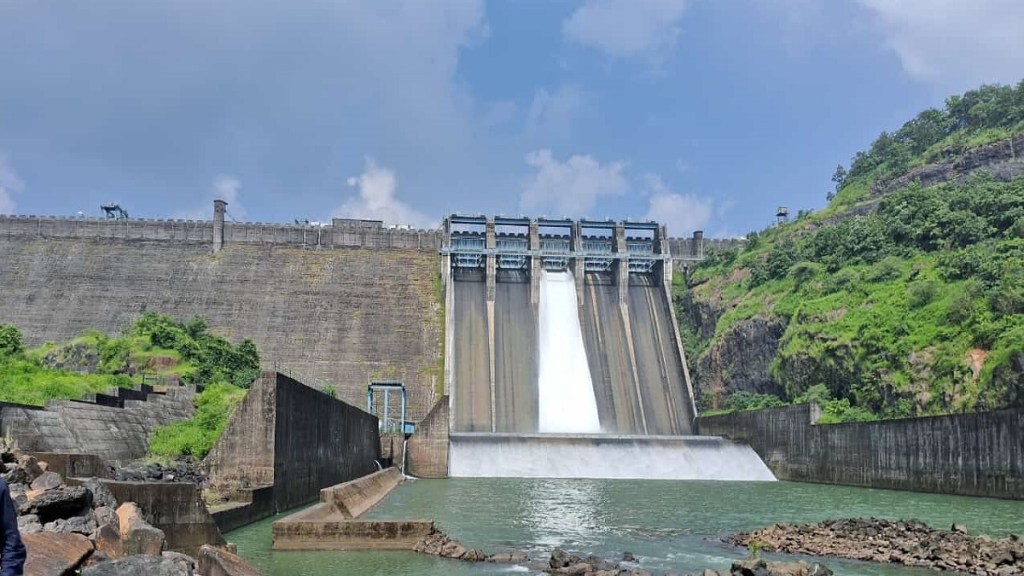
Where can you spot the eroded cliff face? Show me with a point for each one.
(737, 359)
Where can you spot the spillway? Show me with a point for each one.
(515, 358)
(565, 393)
(611, 365)
(471, 354)
(565, 360)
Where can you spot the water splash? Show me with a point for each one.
(565, 393)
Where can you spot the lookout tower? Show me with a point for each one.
(782, 214)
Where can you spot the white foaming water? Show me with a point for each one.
(565, 393)
(603, 456)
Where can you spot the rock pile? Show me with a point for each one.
(183, 470)
(562, 562)
(758, 567)
(907, 542)
(82, 529)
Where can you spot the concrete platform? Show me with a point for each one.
(333, 524)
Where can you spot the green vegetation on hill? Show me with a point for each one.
(155, 346)
(914, 308)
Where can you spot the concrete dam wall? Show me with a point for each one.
(978, 454)
(339, 304)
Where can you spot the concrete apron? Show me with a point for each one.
(333, 523)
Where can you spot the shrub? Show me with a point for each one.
(744, 400)
(922, 292)
(10, 341)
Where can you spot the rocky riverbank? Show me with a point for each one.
(563, 563)
(82, 529)
(907, 542)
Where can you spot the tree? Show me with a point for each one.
(839, 177)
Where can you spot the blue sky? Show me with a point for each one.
(703, 114)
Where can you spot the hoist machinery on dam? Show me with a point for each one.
(562, 340)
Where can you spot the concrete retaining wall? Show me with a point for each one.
(295, 533)
(176, 508)
(351, 499)
(970, 454)
(111, 433)
(428, 448)
(293, 438)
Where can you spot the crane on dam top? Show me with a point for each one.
(114, 211)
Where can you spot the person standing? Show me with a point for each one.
(12, 556)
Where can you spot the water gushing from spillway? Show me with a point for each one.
(565, 393)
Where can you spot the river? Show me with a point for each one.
(669, 525)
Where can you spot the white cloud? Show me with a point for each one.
(377, 201)
(681, 213)
(224, 187)
(954, 44)
(10, 184)
(626, 28)
(552, 114)
(569, 188)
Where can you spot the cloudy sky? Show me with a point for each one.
(700, 113)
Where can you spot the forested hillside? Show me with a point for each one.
(905, 296)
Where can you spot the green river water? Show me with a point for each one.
(669, 525)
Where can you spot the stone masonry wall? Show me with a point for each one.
(428, 447)
(114, 434)
(969, 454)
(338, 316)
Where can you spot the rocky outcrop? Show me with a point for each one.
(739, 359)
(910, 543)
(1003, 159)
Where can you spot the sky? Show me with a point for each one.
(701, 114)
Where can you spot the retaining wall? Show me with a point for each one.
(109, 432)
(427, 449)
(978, 454)
(293, 438)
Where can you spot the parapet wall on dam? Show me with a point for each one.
(968, 454)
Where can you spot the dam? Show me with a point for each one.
(564, 358)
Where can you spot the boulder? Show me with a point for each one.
(187, 562)
(29, 524)
(14, 474)
(30, 465)
(559, 558)
(107, 515)
(53, 554)
(217, 562)
(139, 536)
(47, 481)
(63, 502)
(108, 540)
(101, 495)
(84, 524)
(138, 565)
